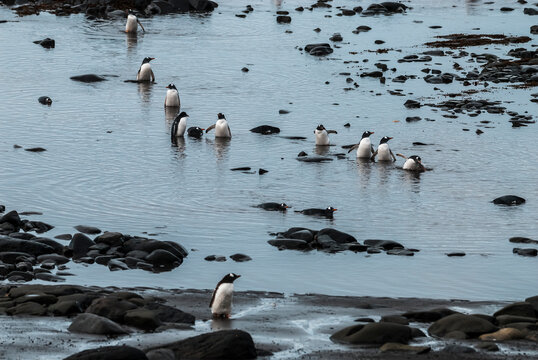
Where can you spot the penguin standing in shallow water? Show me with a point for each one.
(132, 23)
(383, 152)
(364, 147)
(221, 301)
(172, 97)
(322, 135)
(222, 129)
(179, 125)
(145, 73)
(328, 212)
(413, 163)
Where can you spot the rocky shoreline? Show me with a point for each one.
(77, 322)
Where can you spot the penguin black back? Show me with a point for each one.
(195, 132)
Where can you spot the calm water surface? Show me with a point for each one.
(109, 162)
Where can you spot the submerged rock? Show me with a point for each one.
(88, 78)
(47, 43)
(320, 49)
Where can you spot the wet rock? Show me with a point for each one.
(80, 244)
(161, 354)
(35, 149)
(49, 277)
(262, 171)
(412, 104)
(30, 247)
(336, 37)
(240, 257)
(110, 238)
(117, 264)
(217, 258)
(12, 218)
(503, 335)
(457, 349)
(517, 309)
(90, 230)
(391, 346)
(335, 235)
(95, 324)
(373, 333)
(111, 307)
(224, 344)
(507, 320)
(525, 252)
(472, 326)
(163, 259)
(314, 159)
(509, 200)
(282, 111)
(362, 28)
(143, 319)
(265, 130)
(88, 78)
(302, 153)
(45, 100)
(47, 43)
(396, 319)
(27, 308)
(522, 240)
(428, 315)
(302, 234)
(383, 244)
(321, 49)
(530, 11)
(487, 346)
(283, 19)
(455, 254)
(64, 237)
(376, 74)
(534, 29)
(290, 244)
(401, 252)
(170, 314)
(413, 118)
(110, 353)
(39, 298)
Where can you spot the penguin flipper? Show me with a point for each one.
(213, 297)
(210, 128)
(353, 148)
(392, 154)
(400, 155)
(173, 131)
(139, 23)
(331, 132)
(373, 156)
(152, 76)
(229, 131)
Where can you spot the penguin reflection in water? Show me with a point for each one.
(413, 163)
(383, 152)
(131, 26)
(222, 129)
(145, 74)
(221, 301)
(322, 135)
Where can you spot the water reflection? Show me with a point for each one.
(221, 146)
(321, 150)
(364, 167)
(132, 41)
(179, 143)
(144, 90)
(412, 179)
(384, 168)
(170, 114)
(221, 324)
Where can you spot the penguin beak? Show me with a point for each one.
(287, 206)
(202, 129)
(238, 275)
(390, 138)
(371, 132)
(334, 209)
(151, 59)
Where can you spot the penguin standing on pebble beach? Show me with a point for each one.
(221, 301)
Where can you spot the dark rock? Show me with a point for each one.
(43, 299)
(49, 277)
(384, 244)
(401, 252)
(373, 333)
(302, 153)
(64, 237)
(336, 37)
(336, 236)
(170, 314)
(453, 254)
(347, 12)
(530, 11)
(27, 308)
(88, 78)
(12, 218)
(517, 309)
(37, 226)
(117, 264)
(404, 348)
(472, 326)
(161, 354)
(45, 100)
(111, 307)
(487, 346)
(262, 171)
(522, 240)
(413, 118)
(47, 43)
(240, 257)
(314, 159)
(12, 257)
(376, 74)
(505, 8)
(303, 234)
(31, 247)
(396, 319)
(290, 244)
(95, 324)
(429, 315)
(509, 200)
(534, 29)
(412, 104)
(244, 69)
(224, 344)
(506, 320)
(525, 252)
(90, 230)
(35, 149)
(80, 244)
(321, 49)
(144, 319)
(283, 19)
(265, 130)
(163, 259)
(55, 258)
(110, 353)
(66, 308)
(457, 349)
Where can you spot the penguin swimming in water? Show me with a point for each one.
(132, 23)
(328, 212)
(322, 135)
(364, 147)
(383, 152)
(195, 132)
(222, 129)
(273, 206)
(413, 163)
(145, 73)
(221, 301)
(178, 126)
(172, 96)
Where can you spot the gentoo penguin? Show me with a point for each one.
(132, 23)
(221, 301)
(273, 206)
(178, 126)
(328, 212)
(195, 132)
(413, 163)
(145, 73)
(172, 96)
(383, 152)
(222, 130)
(322, 135)
(364, 147)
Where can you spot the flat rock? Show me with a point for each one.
(373, 333)
(404, 348)
(240, 257)
(95, 324)
(109, 353)
(290, 244)
(144, 319)
(383, 244)
(27, 308)
(113, 308)
(503, 335)
(90, 230)
(88, 78)
(167, 313)
(31, 247)
(458, 349)
(428, 315)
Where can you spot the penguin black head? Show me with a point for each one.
(195, 131)
(171, 86)
(147, 60)
(220, 116)
(182, 115)
(384, 139)
(130, 12)
(320, 127)
(230, 278)
(283, 206)
(416, 158)
(367, 134)
(331, 209)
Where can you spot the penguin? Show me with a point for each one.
(413, 163)
(221, 301)
(383, 152)
(322, 135)
(145, 73)
(178, 126)
(195, 132)
(328, 212)
(273, 206)
(364, 147)
(172, 97)
(222, 129)
(132, 23)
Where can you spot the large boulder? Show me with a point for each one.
(336, 236)
(524, 309)
(167, 313)
(109, 353)
(224, 344)
(95, 324)
(383, 244)
(80, 244)
(471, 326)
(144, 319)
(428, 315)
(111, 307)
(374, 333)
(31, 247)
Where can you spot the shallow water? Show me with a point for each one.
(109, 162)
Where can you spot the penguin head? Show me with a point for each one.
(230, 278)
(171, 86)
(416, 159)
(366, 134)
(182, 115)
(220, 116)
(283, 206)
(147, 60)
(320, 127)
(331, 209)
(130, 12)
(384, 139)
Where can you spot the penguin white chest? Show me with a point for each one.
(222, 305)
(411, 165)
(365, 148)
(172, 98)
(131, 26)
(181, 127)
(222, 129)
(383, 153)
(322, 138)
(145, 73)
